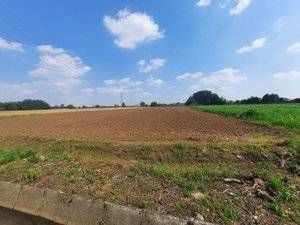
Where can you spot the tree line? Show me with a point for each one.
(27, 104)
(199, 98)
(209, 98)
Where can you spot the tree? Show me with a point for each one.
(123, 104)
(270, 98)
(153, 104)
(251, 100)
(143, 104)
(205, 98)
(70, 106)
(296, 100)
(27, 104)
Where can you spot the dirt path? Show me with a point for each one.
(140, 124)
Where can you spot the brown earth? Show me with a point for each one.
(140, 124)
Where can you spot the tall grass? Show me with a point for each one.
(276, 115)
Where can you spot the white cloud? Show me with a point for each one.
(189, 76)
(152, 65)
(154, 82)
(220, 78)
(131, 29)
(292, 75)
(13, 46)
(111, 90)
(124, 82)
(295, 48)
(203, 3)
(239, 7)
(58, 67)
(224, 77)
(256, 44)
(110, 82)
(13, 92)
(87, 90)
(127, 85)
(48, 49)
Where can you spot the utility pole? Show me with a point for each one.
(121, 98)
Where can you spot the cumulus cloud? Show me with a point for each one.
(124, 82)
(12, 46)
(189, 76)
(132, 28)
(110, 82)
(203, 3)
(256, 44)
(117, 86)
(151, 65)
(292, 75)
(295, 48)
(58, 67)
(13, 92)
(224, 77)
(154, 82)
(127, 85)
(239, 7)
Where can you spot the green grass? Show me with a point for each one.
(276, 115)
(31, 173)
(7, 156)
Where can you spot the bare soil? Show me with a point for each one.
(140, 124)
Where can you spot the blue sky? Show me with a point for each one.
(89, 52)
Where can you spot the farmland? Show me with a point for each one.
(277, 115)
(177, 160)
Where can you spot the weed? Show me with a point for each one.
(180, 145)
(277, 208)
(56, 154)
(180, 208)
(275, 183)
(7, 156)
(294, 144)
(188, 188)
(250, 113)
(145, 203)
(31, 173)
(221, 207)
(72, 174)
(89, 175)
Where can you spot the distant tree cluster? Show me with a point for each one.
(156, 104)
(205, 98)
(266, 99)
(27, 104)
(209, 98)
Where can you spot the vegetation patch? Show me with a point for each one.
(216, 179)
(276, 115)
(10, 155)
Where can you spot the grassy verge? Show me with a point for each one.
(276, 115)
(181, 178)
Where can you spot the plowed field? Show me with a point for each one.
(140, 124)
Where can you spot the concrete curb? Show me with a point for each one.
(74, 210)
